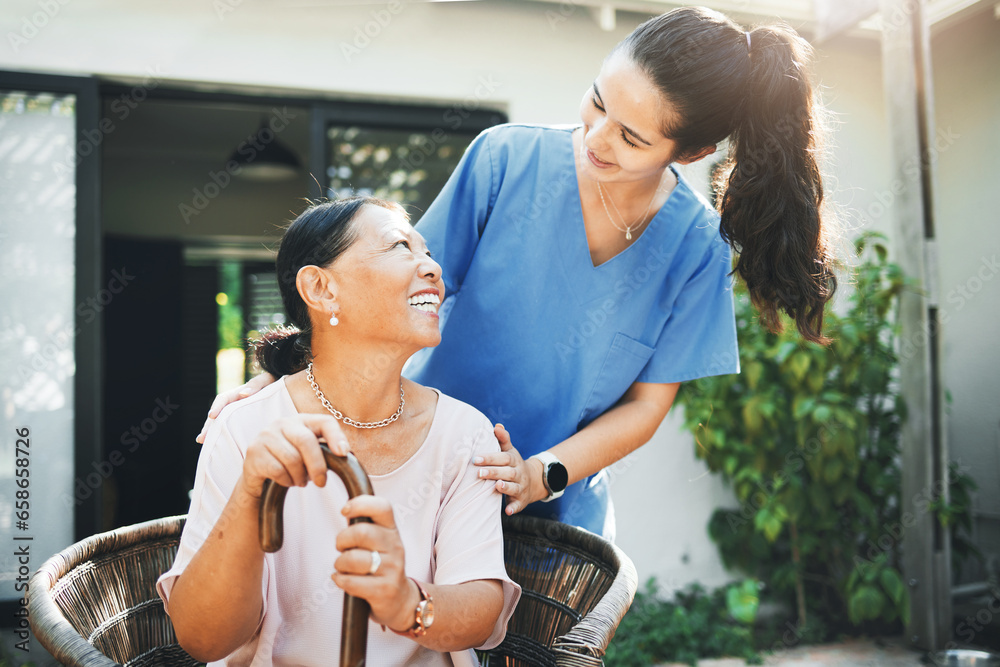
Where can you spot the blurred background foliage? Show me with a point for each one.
(694, 625)
(808, 437)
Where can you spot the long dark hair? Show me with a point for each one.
(318, 236)
(757, 93)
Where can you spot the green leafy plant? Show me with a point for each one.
(808, 436)
(809, 439)
(955, 514)
(231, 333)
(695, 624)
(742, 601)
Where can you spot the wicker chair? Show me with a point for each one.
(95, 604)
(575, 589)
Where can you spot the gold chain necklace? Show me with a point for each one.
(347, 420)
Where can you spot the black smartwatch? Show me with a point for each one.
(554, 475)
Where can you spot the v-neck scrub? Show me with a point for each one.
(537, 337)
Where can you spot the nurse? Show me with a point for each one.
(586, 279)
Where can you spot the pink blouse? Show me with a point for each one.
(448, 519)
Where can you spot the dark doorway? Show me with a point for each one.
(143, 382)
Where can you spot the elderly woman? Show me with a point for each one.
(358, 282)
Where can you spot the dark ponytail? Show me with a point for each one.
(317, 237)
(770, 193)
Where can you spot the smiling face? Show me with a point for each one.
(623, 115)
(386, 285)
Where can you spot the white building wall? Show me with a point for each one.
(535, 62)
(967, 209)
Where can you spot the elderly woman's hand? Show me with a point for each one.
(515, 477)
(231, 396)
(380, 579)
(288, 452)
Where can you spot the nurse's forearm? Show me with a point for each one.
(621, 430)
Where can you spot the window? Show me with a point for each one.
(406, 166)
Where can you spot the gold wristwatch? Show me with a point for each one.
(424, 617)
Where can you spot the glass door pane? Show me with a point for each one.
(37, 272)
(40, 321)
(406, 166)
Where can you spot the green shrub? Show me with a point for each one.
(809, 439)
(695, 624)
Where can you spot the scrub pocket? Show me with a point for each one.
(625, 360)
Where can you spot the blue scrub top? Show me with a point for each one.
(538, 338)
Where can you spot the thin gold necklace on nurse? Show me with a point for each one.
(638, 222)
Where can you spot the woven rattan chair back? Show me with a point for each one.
(575, 589)
(95, 603)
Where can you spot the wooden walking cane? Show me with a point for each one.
(354, 627)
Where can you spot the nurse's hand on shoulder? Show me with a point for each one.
(231, 396)
(514, 476)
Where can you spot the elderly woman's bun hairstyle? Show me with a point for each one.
(321, 234)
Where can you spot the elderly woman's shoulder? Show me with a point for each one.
(265, 405)
(460, 419)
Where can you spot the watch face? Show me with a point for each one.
(426, 612)
(557, 477)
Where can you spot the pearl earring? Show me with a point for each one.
(333, 320)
